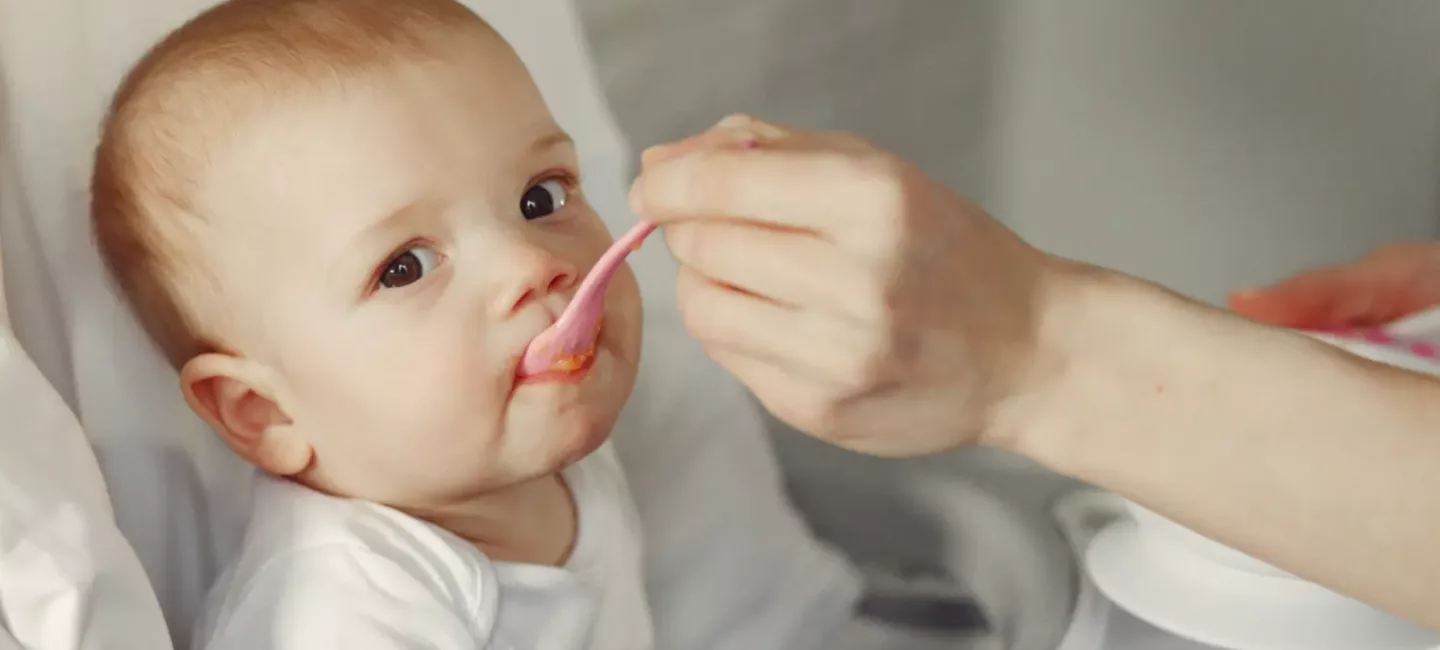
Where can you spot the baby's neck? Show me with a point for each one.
(533, 522)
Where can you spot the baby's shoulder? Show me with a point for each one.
(291, 520)
(327, 563)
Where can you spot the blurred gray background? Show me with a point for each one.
(1202, 143)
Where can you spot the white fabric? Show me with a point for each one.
(68, 580)
(317, 571)
(729, 563)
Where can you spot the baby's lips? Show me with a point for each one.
(538, 358)
(559, 365)
(544, 356)
(572, 362)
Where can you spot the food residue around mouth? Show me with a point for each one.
(572, 362)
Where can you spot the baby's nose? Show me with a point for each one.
(537, 273)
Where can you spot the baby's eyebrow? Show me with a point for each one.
(400, 215)
(363, 243)
(551, 141)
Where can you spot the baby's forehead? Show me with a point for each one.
(388, 127)
(215, 117)
(307, 172)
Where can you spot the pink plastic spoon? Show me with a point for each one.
(569, 342)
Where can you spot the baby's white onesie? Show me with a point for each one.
(318, 572)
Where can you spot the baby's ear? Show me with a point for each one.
(237, 399)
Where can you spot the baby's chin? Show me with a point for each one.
(567, 438)
(556, 440)
(557, 424)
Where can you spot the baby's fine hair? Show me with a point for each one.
(177, 108)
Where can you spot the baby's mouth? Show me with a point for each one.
(574, 362)
(572, 366)
(571, 356)
(569, 368)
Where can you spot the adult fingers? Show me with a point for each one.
(736, 130)
(864, 425)
(791, 185)
(818, 347)
(785, 266)
(735, 137)
(797, 400)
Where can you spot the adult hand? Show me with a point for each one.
(1388, 284)
(861, 301)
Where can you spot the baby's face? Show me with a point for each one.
(388, 251)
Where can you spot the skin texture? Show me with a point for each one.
(871, 307)
(407, 396)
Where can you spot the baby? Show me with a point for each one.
(342, 221)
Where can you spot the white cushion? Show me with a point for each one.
(68, 580)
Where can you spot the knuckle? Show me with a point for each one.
(704, 178)
(867, 365)
(875, 364)
(886, 199)
(700, 180)
(867, 370)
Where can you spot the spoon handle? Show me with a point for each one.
(592, 288)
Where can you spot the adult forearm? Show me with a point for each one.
(1322, 463)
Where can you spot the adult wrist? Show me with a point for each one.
(1102, 339)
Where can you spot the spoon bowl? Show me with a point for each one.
(568, 344)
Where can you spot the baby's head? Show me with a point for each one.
(342, 221)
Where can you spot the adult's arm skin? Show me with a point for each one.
(869, 306)
(1323, 463)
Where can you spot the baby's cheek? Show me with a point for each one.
(406, 384)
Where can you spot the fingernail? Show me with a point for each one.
(734, 120)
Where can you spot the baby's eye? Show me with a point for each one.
(408, 267)
(543, 199)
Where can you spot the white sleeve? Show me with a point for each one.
(347, 598)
